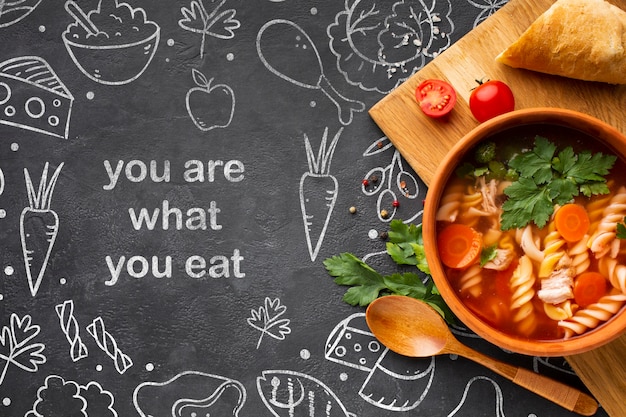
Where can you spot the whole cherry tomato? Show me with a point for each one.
(435, 97)
(491, 99)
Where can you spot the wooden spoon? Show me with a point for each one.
(412, 328)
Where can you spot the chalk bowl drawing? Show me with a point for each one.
(268, 319)
(478, 390)
(217, 23)
(16, 347)
(394, 186)
(210, 105)
(380, 44)
(281, 44)
(188, 394)
(294, 394)
(32, 97)
(58, 396)
(112, 44)
(13, 11)
(318, 191)
(393, 382)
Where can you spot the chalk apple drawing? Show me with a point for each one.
(210, 105)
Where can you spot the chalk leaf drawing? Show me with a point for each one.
(380, 44)
(39, 226)
(13, 11)
(190, 393)
(16, 347)
(71, 330)
(267, 319)
(318, 191)
(209, 105)
(32, 96)
(281, 43)
(108, 344)
(218, 24)
(60, 397)
(290, 393)
(112, 44)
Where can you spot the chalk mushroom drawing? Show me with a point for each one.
(190, 393)
(39, 226)
(380, 44)
(290, 393)
(13, 11)
(71, 330)
(210, 105)
(318, 191)
(297, 46)
(16, 347)
(112, 44)
(464, 408)
(32, 96)
(268, 320)
(108, 344)
(218, 24)
(60, 397)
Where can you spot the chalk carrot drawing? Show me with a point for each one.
(108, 344)
(218, 23)
(281, 43)
(16, 347)
(210, 105)
(71, 330)
(318, 191)
(39, 226)
(13, 11)
(269, 321)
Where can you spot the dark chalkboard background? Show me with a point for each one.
(260, 329)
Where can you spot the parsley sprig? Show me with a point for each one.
(548, 178)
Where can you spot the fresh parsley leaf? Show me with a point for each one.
(488, 253)
(365, 283)
(621, 230)
(526, 202)
(406, 245)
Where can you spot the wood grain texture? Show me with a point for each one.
(423, 142)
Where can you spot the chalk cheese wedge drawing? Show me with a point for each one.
(32, 97)
(39, 226)
(318, 191)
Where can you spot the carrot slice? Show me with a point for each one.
(572, 222)
(589, 287)
(459, 245)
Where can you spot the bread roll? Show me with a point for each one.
(582, 39)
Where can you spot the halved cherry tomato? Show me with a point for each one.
(589, 287)
(435, 97)
(491, 99)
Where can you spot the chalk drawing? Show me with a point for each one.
(467, 405)
(39, 226)
(318, 191)
(108, 344)
(487, 8)
(192, 393)
(210, 105)
(13, 11)
(380, 44)
(71, 330)
(218, 24)
(268, 320)
(112, 44)
(32, 97)
(16, 347)
(281, 43)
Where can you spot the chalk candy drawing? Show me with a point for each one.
(269, 321)
(39, 226)
(32, 97)
(318, 191)
(16, 347)
(190, 393)
(71, 330)
(13, 11)
(466, 406)
(294, 394)
(218, 24)
(58, 396)
(380, 44)
(281, 43)
(210, 105)
(107, 343)
(112, 44)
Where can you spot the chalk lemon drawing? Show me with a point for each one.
(210, 105)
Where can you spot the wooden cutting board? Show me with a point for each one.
(423, 142)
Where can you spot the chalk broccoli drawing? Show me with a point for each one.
(16, 347)
(219, 24)
(267, 319)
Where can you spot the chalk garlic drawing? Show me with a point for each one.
(71, 330)
(297, 47)
(218, 24)
(112, 44)
(39, 226)
(380, 44)
(209, 105)
(13, 11)
(190, 393)
(108, 344)
(267, 319)
(58, 396)
(290, 393)
(16, 347)
(466, 407)
(32, 97)
(318, 191)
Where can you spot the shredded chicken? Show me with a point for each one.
(558, 286)
(489, 193)
(502, 261)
